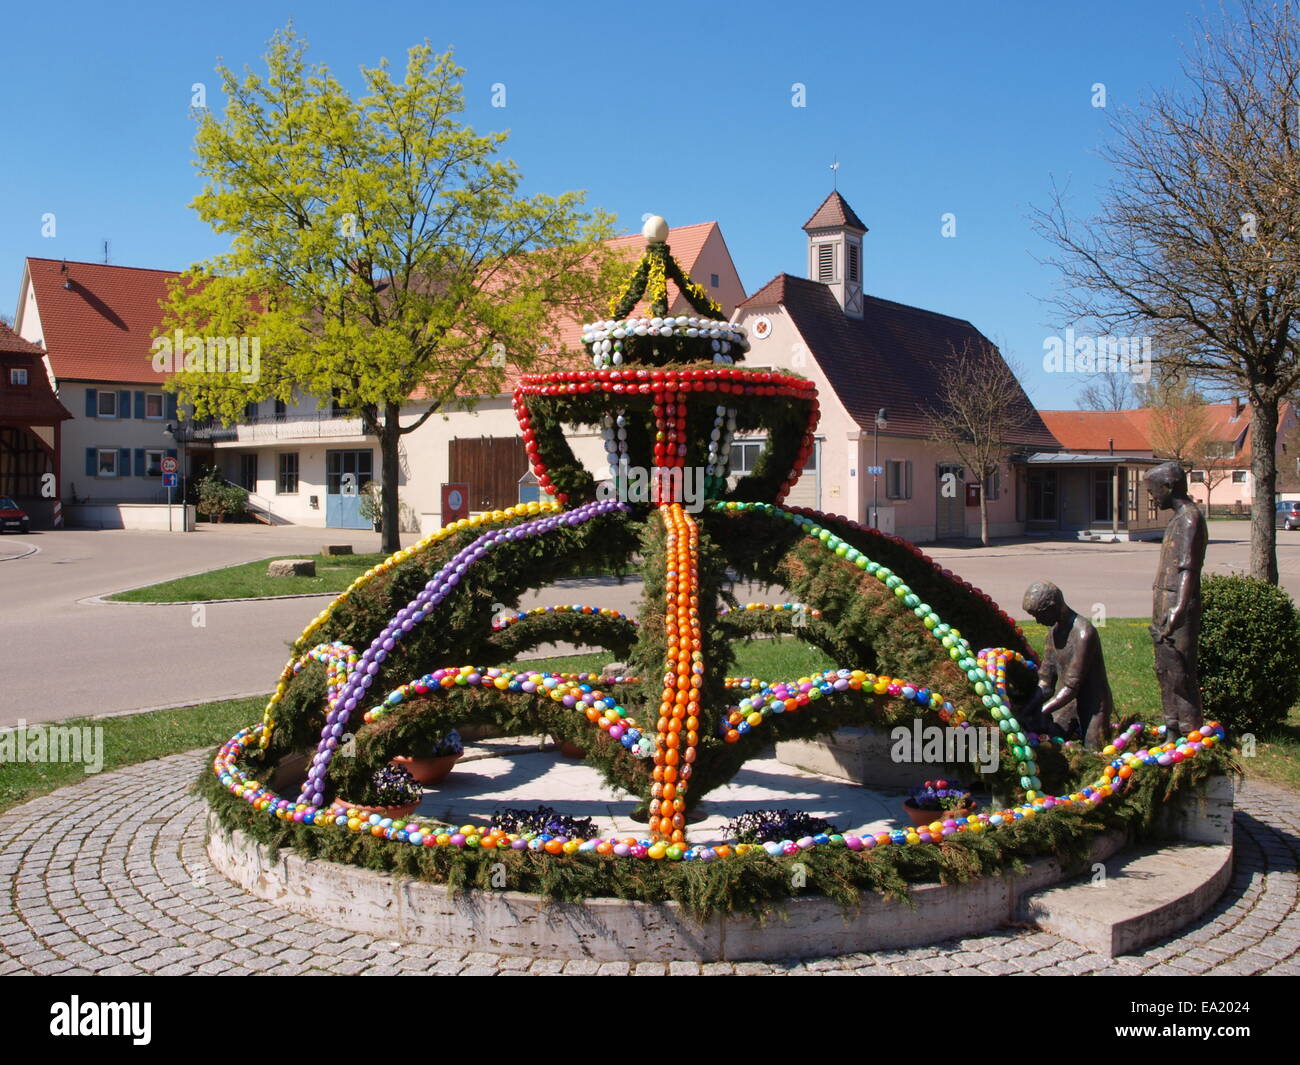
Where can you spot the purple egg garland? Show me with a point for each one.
(439, 587)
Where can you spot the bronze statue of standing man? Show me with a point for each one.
(1176, 602)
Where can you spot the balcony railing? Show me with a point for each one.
(320, 425)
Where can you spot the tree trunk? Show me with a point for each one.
(1263, 468)
(984, 518)
(389, 438)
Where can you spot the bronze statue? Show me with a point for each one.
(1176, 602)
(1073, 691)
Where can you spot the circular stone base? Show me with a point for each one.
(396, 907)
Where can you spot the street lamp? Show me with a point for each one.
(882, 422)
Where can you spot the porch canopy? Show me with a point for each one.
(1096, 497)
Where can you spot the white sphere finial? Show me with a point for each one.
(655, 230)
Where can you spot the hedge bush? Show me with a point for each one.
(1249, 653)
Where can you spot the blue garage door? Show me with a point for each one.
(345, 474)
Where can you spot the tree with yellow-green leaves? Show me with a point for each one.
(380, 252)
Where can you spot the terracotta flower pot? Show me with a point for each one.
(920, 817)
(571, 750)
(395, 812)
(427, 771)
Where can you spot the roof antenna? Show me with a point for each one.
(105, 251)
(835, 173)
(67, 278)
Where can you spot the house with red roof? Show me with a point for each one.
(31, 431)
(879, 366)
(304, 464)
(95, 324)
(1220, 473)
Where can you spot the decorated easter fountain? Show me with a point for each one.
(386, 668)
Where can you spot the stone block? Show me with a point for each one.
(336, 549)
(291, 567)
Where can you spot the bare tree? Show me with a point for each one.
(1109, 391)
(980, 407)
(1180, 422)
(1215, 472)
(1196, 239)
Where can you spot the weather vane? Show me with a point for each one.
(835, 173)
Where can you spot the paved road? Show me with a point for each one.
(63, 656)
(124, 887)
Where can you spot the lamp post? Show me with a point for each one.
(882, 422)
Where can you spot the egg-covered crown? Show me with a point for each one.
(659, 338)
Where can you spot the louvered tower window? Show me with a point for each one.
(825, 262)
(854, 252)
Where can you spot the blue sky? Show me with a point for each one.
(683, 110)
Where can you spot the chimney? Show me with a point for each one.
(1236, 407)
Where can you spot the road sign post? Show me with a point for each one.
(169, 466)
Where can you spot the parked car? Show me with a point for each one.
(12, 516)
(1286, 514)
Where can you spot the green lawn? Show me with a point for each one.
(333, 574)
(140, 737)
(130, 739)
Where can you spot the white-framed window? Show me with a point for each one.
(107, 404)
(1238, 476)
(1198, 476)
(153, 462)
(18, 376)
(744, 455)
(898, 479)
(286, 483)
(106, 461)
(153, 405)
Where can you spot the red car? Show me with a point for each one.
(12, 516)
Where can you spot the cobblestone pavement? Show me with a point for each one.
(110, 876)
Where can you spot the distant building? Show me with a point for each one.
(867, 355)
(1220, 472)
(31, 430)
(95, 323)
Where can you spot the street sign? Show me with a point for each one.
(169, 480)
(876, 471)
(170, 465)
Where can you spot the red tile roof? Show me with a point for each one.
(1092, 430)
(35, 402)
(833, 213)
(12, 342)
(896, 357)
(101, 327)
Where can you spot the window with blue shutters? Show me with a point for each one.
(92, 403)
(124, 461)
(171, 406)
(139, 462)
(124, 404)
(139, 404)
(106, 404)
(92, 463)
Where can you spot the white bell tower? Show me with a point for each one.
(835, 251)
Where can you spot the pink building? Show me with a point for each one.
(868, 356)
